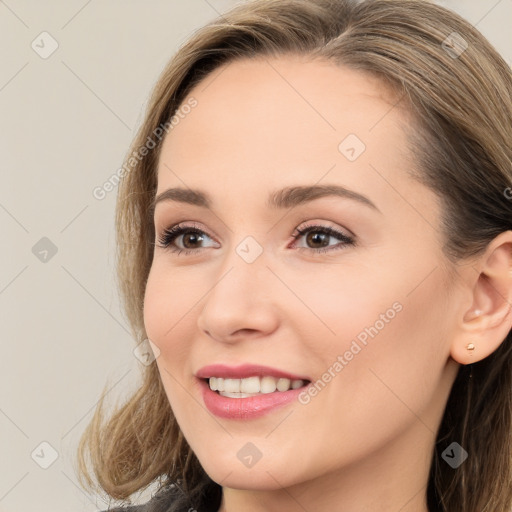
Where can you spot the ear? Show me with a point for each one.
(485, 325)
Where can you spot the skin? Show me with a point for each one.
(364, 442)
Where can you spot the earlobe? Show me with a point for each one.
(486, 324)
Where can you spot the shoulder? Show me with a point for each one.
(165, 500)
(172, 499)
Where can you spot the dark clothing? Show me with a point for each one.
(171, 498)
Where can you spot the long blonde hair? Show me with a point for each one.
(459, 90)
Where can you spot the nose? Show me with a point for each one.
(241, 303)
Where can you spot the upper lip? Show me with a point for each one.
(243, 371)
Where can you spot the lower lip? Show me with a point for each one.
(246, 408)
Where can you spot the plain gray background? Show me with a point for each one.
(67, 120)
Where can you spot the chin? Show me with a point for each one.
(227, 470)
(249, 479)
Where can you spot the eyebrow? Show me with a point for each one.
(288, 197)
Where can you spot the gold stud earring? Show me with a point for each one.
(470, 347)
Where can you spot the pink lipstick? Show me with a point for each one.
(248, 391)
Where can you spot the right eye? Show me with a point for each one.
(190, 234)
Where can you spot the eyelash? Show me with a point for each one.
(169, 236)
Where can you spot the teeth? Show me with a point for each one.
(297, 384)
(231, 385)
(241, 388)
(268, 385)
(250, 385)
(237, 395)
(284, 384)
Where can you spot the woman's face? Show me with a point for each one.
(366, 316)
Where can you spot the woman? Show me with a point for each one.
(317, 240)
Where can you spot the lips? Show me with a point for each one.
(246, 408)
(245, 371)
(243, 406)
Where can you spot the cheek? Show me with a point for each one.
(395, 373)
(167, 319)
(336, 306)
(168, 313)
(391, 322)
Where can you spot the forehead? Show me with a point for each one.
(259, 121)
(290, 89)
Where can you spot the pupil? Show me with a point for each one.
(186, 238)
(313, 237)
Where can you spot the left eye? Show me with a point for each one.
(193, 235)
(325, 232)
